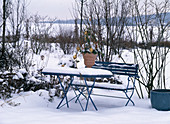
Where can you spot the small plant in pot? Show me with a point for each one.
(90, 49)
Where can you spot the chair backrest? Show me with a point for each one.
(130, 70)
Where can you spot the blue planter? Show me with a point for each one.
(160, 99)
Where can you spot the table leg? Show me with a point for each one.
(77, 96)
(80, 93)
(89, 93)
(65, 91)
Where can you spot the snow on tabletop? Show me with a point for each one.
(64, 70)
(92, 71)
(82, 71)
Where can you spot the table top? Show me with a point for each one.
(80, 72)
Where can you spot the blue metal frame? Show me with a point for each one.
(77, 96)
(89, 93)
(129, 70)
(65, 91)
(129, 97)
(125, 91)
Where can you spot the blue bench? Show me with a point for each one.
(129, 70)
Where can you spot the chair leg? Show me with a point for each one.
(129, 98)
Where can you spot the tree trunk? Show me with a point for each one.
(4, 28)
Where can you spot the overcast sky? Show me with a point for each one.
(61, 9)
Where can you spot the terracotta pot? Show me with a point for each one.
(89, 59)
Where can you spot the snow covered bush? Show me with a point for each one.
(20, 81)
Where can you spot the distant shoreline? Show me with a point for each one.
(130, 20)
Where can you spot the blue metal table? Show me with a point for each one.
(83, 73)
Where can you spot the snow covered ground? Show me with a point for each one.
(35, 107)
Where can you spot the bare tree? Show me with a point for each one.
(108, 19)
(151, 24)
(17, 20)
(15, 53)
(40, 33)
(27, 28)
(5, 14)
(79, 8)
(66, 40)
